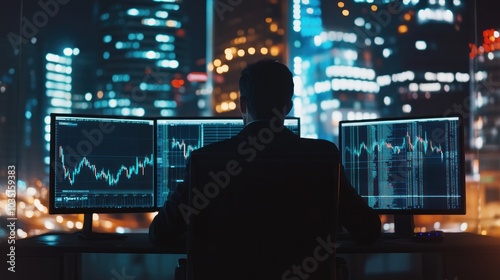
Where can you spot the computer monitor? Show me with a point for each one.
(406, 166)
(101, 164)
(177, 137)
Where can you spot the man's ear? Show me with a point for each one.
(243, 104)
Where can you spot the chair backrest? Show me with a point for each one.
(272, 217)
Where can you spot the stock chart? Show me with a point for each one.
(404, 165)
(177, 138)
(103, 163)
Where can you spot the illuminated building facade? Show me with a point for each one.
(58, 90)
(486, 93)
(369, 58)
(333, 69)
(334, 78)
(423, 67)
(9, 111)
(484, 139)
(142, 65)
(245, 32)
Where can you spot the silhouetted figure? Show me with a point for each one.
(268, 219)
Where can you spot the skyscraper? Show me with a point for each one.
(20, 123)
(243, 32)
(9, 112)
(333, 77)
(332, 64)
(144, 58)
(364, 59)
(423, 65)
(485, 95)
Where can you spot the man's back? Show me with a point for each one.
(273, 219)
(261, 138)
(262, 215)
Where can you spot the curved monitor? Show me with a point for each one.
(409, 166)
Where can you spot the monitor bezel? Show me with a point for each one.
(463, 188)
(101, 210)
(208, 118)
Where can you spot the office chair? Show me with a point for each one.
(269, 218)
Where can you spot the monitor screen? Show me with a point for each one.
(177, 137)
(406, 165)
(101, 164)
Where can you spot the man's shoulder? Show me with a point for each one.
(319, 145)
(216, 147)
(283, 142)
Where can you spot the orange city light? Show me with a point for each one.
(177, 83)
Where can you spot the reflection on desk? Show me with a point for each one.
(136, 243)
(66, 256)
(452, 243)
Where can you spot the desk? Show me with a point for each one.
(466, 255)
(460, 256)
(62, 255)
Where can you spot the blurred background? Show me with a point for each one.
(354, 59)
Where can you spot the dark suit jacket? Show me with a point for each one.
(264, 138)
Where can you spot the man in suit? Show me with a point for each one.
(266, 90)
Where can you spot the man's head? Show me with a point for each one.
(265, 86)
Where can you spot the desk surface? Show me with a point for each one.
(139, 243)
(452, 243)
(72, 243)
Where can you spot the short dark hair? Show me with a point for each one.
(266, 84)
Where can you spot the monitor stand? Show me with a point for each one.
(88, 234)
(404, 225)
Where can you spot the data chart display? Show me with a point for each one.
(407, 164)
(178, 137)
(102, 164)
